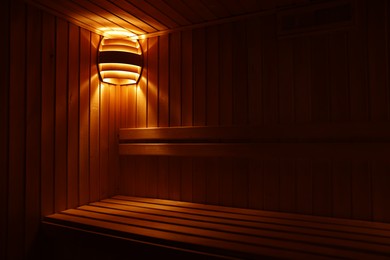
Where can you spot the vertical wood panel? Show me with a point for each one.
(60, 177)
(151, 176)
(33, 132)
(199, 180)
(163, 178)
(377, 60)
(286, 81)
(255, 184)
(342, 200)
(94, 108)
(381, 191)
(320, 94)
(361, 190)
(152, 78)
(271, 185)
(226, 74)
(175, 105)
(142, 91)
(322, 188)
(163, 81)
(302, 73)
(287, 186)
(174, 184)
(339, 80)
(47, 116)
(212, 77)
(240, 74)
(73, 119)
(113, 167)
(270, 69)
(254, 37)
(85, 58)
(186, 179)
(240, 183)
(4, 130)
(104, 138)
(187, 79)
(304, 182)
(199, 76)
(212, 191)
(17, 132)
(226, 182)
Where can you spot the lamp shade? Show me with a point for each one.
(120, 61)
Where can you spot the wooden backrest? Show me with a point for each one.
(292, 141)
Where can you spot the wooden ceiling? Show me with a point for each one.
(151, 17)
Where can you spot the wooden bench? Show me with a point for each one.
(146, 228)
(216, 231)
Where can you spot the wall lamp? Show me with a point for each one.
(120, 60)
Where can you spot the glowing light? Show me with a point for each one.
(120, 58)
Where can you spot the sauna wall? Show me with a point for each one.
(249, 73)
(56, 138)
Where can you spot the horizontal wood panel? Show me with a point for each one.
(338, 132)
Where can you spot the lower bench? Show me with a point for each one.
(181, 228)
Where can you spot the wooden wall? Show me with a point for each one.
(246, 73)
(56, 134)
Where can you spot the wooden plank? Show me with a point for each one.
(268, 224)
(341, 189)
(132, 117)
(104, 99)
(271, 179)
(94, 107)
(186, 79)
(216, 8)
(358, 73)
(136, 12)
(228, 228)
(356, 227)
(201, 10)
(302, 84)
(266, 150)
(361, 185)
(141, 102)
(159, 10)
(320, 89)
(212, 181)
(286, 86)
(199, 180)
(380, 191)
(226, 74)
(113, 163)
(151, 177)
(304, 181)
(85, 59)
(17, 132)
(270, 69)
(225, 182)
(183, 8)
(199, 76)
(33, 131)
(240, 75)
(254, 43)
(163, 82)
(175, 105)
(182, 237)
(212, 76)
(4, 130)
(163, 178)
(47, 116)
(73, 117)
(152, 77)
(139, 179)
(240, 183)
(287, 184)
(378, 66)
(322, 187)
(127, 15)
(61, 136)
(174, 178)
(124, 110)
(337, 132)
(339, 89)
(255, 184)
(187, 179)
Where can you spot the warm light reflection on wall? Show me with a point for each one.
(119, 60)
